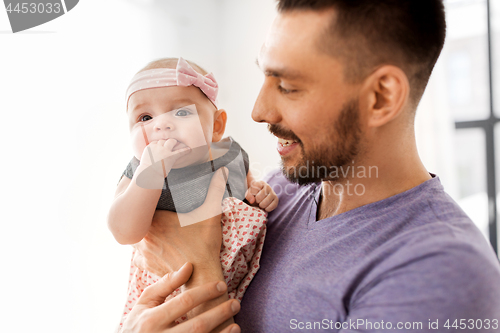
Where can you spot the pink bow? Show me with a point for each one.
(187, 76)
(184, 75)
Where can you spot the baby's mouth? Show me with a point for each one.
(179, 145)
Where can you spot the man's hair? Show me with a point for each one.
(368, 33)
(171, 63)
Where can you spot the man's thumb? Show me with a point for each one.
(217, 188)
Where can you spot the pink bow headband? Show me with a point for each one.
(184, 76)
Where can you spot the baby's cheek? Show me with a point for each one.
(198, 135)
(138, 143)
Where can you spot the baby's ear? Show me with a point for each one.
(220, 118)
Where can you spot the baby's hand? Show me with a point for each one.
(261, 194)
(161, 150)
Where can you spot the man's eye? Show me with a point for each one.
(145, 118)
(182, 113)
(285, 91)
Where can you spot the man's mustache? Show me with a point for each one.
(282, 133)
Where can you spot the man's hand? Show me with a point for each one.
(262, 194)
(167, 245)
(151, 314)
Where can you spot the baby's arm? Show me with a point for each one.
(133, 207)
(260, 194)
(132, 210)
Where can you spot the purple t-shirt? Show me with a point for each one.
(411, 262)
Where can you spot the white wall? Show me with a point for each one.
(65, 142)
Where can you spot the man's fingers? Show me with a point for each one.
(212, 205)
(190, 299)
(157, 292)
(139, 260)
(232, 329)
(212, 318)
(216, 190)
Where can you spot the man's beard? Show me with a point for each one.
(338, 151)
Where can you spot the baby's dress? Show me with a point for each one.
(243, 226)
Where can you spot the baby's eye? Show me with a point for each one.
(146, 117)
(182, 113)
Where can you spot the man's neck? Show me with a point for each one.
(366, 184)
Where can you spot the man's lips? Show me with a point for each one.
(285, 146)
(286, 142)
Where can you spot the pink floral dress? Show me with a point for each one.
(243, 233)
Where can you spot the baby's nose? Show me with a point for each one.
(163, 123)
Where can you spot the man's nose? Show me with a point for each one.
(265, 109)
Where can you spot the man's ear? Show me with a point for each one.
(385, 94)
(220, 118)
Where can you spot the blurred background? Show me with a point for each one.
(65, 82)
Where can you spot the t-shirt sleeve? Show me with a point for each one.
(130, 169)
(246, 161)
(428, 289)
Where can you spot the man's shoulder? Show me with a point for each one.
(429, 250)
(427, 220)
(433, 239)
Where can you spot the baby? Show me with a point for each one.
(177, 140)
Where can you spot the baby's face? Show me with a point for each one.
(181, 113)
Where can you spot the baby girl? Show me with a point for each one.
(177, 140)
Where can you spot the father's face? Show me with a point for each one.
(305, 100)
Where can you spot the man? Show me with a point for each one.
(364, 238)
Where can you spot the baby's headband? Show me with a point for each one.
(184, 75)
